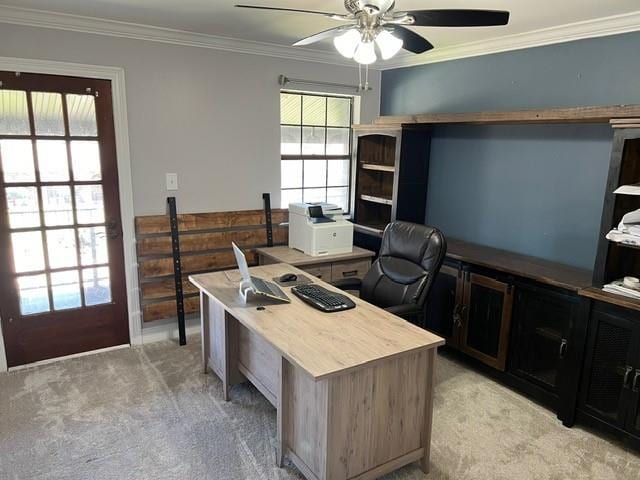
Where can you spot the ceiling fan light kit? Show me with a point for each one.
(371, 23)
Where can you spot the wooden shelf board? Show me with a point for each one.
(379, 168)
(601, 295)
(626, 245)
(371, 230)
(374, 199)
(600, 114)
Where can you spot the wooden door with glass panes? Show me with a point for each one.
(62, 288)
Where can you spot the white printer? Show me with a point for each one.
(319, 229)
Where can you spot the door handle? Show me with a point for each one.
(563, 348)
(350, 273)
(112, 229)
(627, 376)
(456, 315)
(636, 382)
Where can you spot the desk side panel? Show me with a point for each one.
(376, 415)
(259, 359)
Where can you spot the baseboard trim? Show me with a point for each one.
(68, 357)
(168, 331)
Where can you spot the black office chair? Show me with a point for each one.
(400, 279)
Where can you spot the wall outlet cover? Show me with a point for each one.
(172, 181)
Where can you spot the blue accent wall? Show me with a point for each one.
(536, 190)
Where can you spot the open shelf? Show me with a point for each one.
(627, 245)
(378, 168)
(374, 199)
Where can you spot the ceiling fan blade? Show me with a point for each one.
(411, 40)
(459, 18)
(319, 36)
(336, 16)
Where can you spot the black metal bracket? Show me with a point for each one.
(177, 268)
(267, 213)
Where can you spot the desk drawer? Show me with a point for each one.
(352, 269)
(322, 271)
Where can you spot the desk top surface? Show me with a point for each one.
(284, 254)
(322, 344)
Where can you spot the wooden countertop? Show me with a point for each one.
(322, 344)
(544, 271)
(284, 254)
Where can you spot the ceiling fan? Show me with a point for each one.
(376, 22)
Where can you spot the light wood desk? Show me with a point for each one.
(326, 267)
(353, 390)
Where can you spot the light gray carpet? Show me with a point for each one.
(148, 413)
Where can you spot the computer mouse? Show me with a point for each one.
(288, 277)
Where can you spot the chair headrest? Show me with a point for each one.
(419, 244)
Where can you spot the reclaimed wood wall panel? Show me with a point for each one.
(205, 246)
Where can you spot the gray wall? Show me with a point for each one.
(536, 190)
(210, 116)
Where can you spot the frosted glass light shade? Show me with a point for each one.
(347, 43)
(388, 44)
(365, 53)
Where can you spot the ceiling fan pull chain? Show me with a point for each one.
(366, 78)
(359, 77)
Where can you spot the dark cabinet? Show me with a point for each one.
(444, 303)
(611, 381)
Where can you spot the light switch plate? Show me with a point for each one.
(172, 181)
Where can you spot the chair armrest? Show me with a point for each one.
(406, 310)
(348, 284)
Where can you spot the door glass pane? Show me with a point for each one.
(52, 160)
(313, 140)
(315, 173)
(338, 174)
(290, 108)
(85, 158)
(314, 110)
(290, 196)
(17, 161)
(338, 112)
(28, 255)
(65, 289)
(22, 203)
(47, 113)
(485, 320)
(82, 115)
(56, 203)
(89, 204)
(93, 245)
(290, 139)
(339, 196)
(337, 141)
(96, 284)
(14, 116)
(34, 297)
(291, 173)
(315, 195)
(61, 245)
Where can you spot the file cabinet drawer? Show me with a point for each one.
(352, 269)
(322, 271)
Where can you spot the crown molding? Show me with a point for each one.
(77, 23)
(601, 27)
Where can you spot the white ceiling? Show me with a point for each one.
(220, 18)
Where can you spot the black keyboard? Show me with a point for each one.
(322, 299)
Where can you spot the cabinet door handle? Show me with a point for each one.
(636, 382)
(563, 348)
(627, 376)
(350, 273)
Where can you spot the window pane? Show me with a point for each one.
(315, 173)
(290, 105)
(339, 196)
(82, 115)
(291, 174)
(34, 297)
(339, 112)
(314, 110)
(47, 113)
(93, 246)
(89, 204)
(290, 196)
(17, 161)
(338, 173)
(312, 195)
(22, 203)
(56, 203)
(313, 140)
(52, 160)
(290, 139)
(337, 141)
(14, 117)
(61, 245)
(28, 255)
(97, 288)
(65, 288)
(85, 160)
